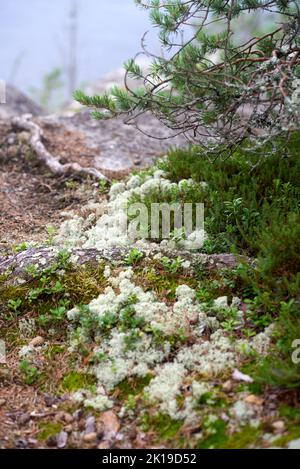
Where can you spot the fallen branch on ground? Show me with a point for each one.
(52, 163)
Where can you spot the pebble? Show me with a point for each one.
(279, 426)
(294, 444)
(50, 401)
(23, 419)
(239, 376)
(68, 418)
(227, 386)
(62, 439)
(32, 441)
(37, 341)
(104, 445)
(90, 437)
(254, 400)
(2, 402)
(90, 425)
(110, 422)
(11, 140)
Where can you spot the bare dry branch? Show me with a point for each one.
(51, 162)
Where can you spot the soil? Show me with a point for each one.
(32, 199)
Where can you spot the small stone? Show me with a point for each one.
(50, 401)
(90, 437)
(90, 425)
(227, 386)
(23, 419)
(194, 319)
(110, 422)
(279, 426)
(254, 400)
(37, 341)
(294, 444)
(32, 441)
(62, 439)
(104, 445)
(2, 402)
(239, 376)
(68, 418)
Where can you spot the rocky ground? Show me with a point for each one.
(110, 345)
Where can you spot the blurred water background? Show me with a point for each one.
(48, 48)
(64, 44)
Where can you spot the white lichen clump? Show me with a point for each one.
(142, 346)
(177, 345)
(112, 228)
(100, 401)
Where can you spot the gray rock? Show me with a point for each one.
(294, 444)
(90, 425)
(115, 145)
(15, 266)
(17, 103)
(62, 439)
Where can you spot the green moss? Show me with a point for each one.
(132, 386)
(219, 439)
(293, 433)
(154, 277)
(213, 400)
(291, 413)
(84, 284)
(48, 295)
(163, 425)
(10, 292)
(48, 430)
(247, 437)
(255, 388)
(216, 437)
(74, 381)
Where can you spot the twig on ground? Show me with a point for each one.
(53, 164)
